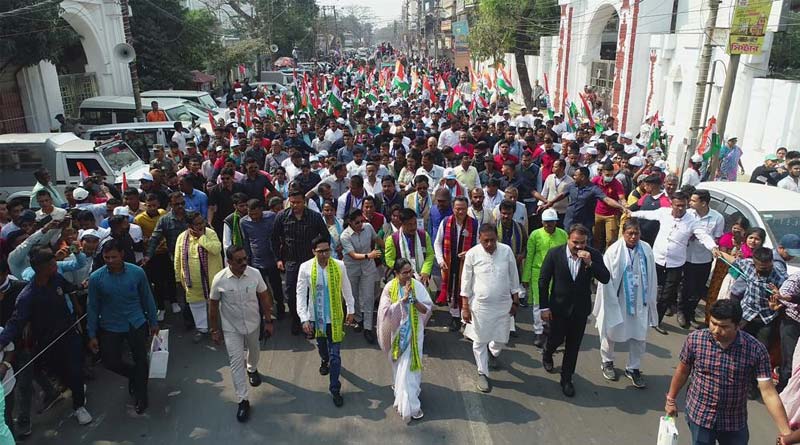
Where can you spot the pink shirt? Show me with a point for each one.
(468, 148)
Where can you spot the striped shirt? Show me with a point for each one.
(291, 237)
(791, 288)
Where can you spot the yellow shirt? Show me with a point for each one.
(213, 246)
(148, 225)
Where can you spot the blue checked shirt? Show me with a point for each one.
(755, 301)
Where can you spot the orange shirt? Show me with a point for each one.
(157, 116)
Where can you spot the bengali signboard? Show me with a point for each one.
(748, 26)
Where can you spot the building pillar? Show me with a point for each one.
(41, 97)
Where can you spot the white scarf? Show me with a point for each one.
(419, 258)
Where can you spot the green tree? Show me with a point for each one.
(783, 60)
(515, 26)
(170, 41)
(31, 35)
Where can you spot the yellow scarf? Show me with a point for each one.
(334, 279)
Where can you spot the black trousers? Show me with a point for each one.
(161, 272)
(695, 276)
(111, 351)
(290, 291)
(272, 276)
(790, 332)
(567, 330)
(669, 278)
(65, 360)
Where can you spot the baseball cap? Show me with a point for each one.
(549, 215)
(636, 161)
(697, 159)
(771, 157)
(146, 176)
(80, 194)
(791, 243)
(122, 211)
(91, 232)
(449, 174)
(27, 215)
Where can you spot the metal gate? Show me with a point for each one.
(601, 79)
(74, 89)
(12, 115)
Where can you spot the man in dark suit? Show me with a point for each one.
(565, 298)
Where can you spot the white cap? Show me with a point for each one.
(549, 215)
(313, 159)
(627, 135)
(568, 136)
(219, 148)
(732, 137)
(122, 211)
(631, 149)
(323, 154)
(240, 130)
(146, 176)
(91, 232)
(449, 174)
(636, 161)
(662, 164)
(80, 194)
(697, 159)
(609, 133)
(592, 151)
(252, 101)
(340, 121)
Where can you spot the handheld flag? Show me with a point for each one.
(504, 83)
(710, 142)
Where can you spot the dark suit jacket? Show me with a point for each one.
(568, 297)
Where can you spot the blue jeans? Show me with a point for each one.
(329, 352)
(705, 436)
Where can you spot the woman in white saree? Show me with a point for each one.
(404, 309)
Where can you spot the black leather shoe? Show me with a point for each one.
(324, 369)
(547, 363)
(682, 321)
(243, 413)
(359, 327)
(538, 340)
(660, 330)
(141, 406)
(568, 389)
(254, 378)
(369, 334)
(338, 400)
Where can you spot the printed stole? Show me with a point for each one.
(413, 320)
(202, 254)
(334, 280)
(449, 243)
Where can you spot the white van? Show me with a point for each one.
(104, 110)
(200, 98)
(22, 154)
(146, 133)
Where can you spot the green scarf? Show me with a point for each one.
(394, 294)
(236, 231)
(335, 296)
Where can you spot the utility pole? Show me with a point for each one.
(724, 106)
(336, 30)
(126, 28)
(702, 80)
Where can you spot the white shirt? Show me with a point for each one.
(553, 186)
(333, 136)
(373, 189)
(238, 299)
(714, 224)
(434, 176)
(438, 245)
(789, 183)
(574, 264)
(355, 169)
(355, 203)
(180, 139)
(520, 214)
(490, 202)
(306, 311)
(57, 214)
(673, 236)
(448, 138)
(691, 177)
(291, 170)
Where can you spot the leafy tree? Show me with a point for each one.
(503, 26)
(170, 41)
(31, 35)
(783, 60)
(241, 52)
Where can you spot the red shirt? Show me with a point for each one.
(613, 190)
(548, 159)
(499, 160)
(467, 148)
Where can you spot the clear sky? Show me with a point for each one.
(383, 11)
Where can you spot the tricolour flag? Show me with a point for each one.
(82, 171)
(710, 142)
(400, 80)
(212, 120)
(655, 135)
(454, 101)
(271, 110)
(334, 104)
(504, 82)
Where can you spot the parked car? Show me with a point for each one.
(23, 153)
(104, 110)
(146, 134)
(775, 210)
(201, 99)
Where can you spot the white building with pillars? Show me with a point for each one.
(42, 91)
(642, 57)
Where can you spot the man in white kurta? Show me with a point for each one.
(625, 307)
(489, 293)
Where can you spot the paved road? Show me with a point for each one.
(195, 404)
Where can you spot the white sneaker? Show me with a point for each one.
(83, 416)
(160, 315)
(176, 308)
